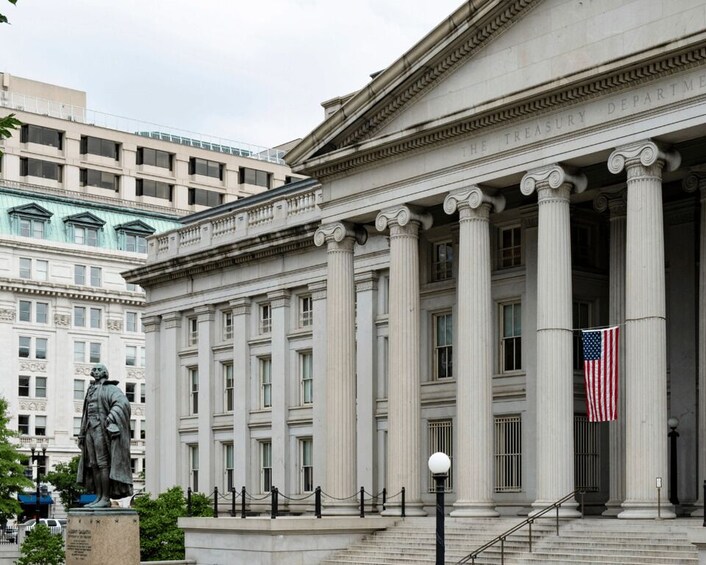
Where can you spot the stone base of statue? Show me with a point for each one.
(103, 535)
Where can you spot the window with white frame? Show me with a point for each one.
(508, 453)
(77, 427)
(80, 274)
(510, 337)
(581, 320)
(587, 455)
(306, 311)
(443, 345)
(31, 311)
(96, 318)
(36, 269)
(306, 377)
(306, 470)
(40, 387)
(79, 317)
(194, 467)
(442, 261)
(24, 386)
(441, 439)
(94, 352)
(265, 318)
(23, 424)
(130, 391)
(192, 325)
(40, 425)
(265, 370)
(134, 356)
(509, 247)
(79, 389)
(227, 326)
(92, 348)
(265, 466)
(193, 375)
(142, 394)
(228, 387)
(96, 276)
(132, 322)
(228, 467)
(133, 427)
(26, 351)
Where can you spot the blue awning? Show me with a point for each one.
(32, 499)
(86, 498)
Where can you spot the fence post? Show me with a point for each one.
(403, 497)
(582, 503)
(273, 498)
(232, 502)
(317, 502)
(242, 502)
(384, 496)
(362, 502)
(215, 502)
(188, 501)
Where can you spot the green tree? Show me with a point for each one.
(8, 123)
(160, 537)
(41, 547)
(12, 469)
(63, 478)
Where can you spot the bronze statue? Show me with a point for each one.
(104, 441)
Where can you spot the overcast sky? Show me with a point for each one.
(250, 71)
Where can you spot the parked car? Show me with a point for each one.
(50, 523)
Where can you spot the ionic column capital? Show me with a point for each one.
(553, 177)
(616, 203)
(695, 180)
(337, 232)
(645, 153)
(472, 197)
(402, 216)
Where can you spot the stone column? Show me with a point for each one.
(318, 337)
(170, 389)
(555, 390)
(404, 463)
(151, 326)
(645, 328)
(341, 442)
(616, 204)
(241, 397)
(207, 387)
(281, 388)
(691, 183)
(474, 344)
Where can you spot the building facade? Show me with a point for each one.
(77, 202)
(528, 169)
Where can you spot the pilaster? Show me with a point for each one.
(319, 342)
(241, 383)
(207, 388)
(151, 327)
(169, 386)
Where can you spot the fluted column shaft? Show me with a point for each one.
(645, 330)
(555, 393)
(340, 366)
(474, 367)
(403, 436)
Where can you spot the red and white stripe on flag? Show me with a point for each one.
(600, 370)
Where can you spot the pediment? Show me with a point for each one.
(33, 210)
(85, 219)
(137, 227)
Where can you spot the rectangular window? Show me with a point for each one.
(80, 274)
(510, 247)
(23, 424)
(41, 135)
(204, 197)
(41, 270)
(130, 392)
(441, 439)
(100, 179)
(306, 456)
(443, 346)
(79, 351)
(194, 391)
(25, 311)
(25, 268)
(135, 243)
(23, 386)
(228, 387)
(508, 454)
(587, 459)
(206, 168)
(98, 146)
(96, 318)
(194, 467)
(29, 227)
(227, 326)
(193, 329)
(581, 320)
(131, 322)
(142, 394)
(253, 176)
(265, 466)
(130, 355)
(443, 261)
(42, 313)
(154, 188)
(511, 340)
(265, 382)
(40, 348)
(79, 317)
(77, 427)
(40, 425)
(41, 169)
(306, 377)
(96, 276)
(84, 235)
(36, 269)
(306, 311)
(95, 349)
(154, 157)
(79, 389)
(228, 465)
(265, 318)
(133, 427)
(25, 346)
(582, 249)
(40, 387)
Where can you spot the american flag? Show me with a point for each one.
(600, 369)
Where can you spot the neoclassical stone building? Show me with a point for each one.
(529, 168)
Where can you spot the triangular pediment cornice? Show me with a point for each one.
(33, 210)
(137, 227)
(86, 219)
(434, 57)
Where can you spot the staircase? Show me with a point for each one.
(586, 541)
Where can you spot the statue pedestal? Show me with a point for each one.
(103, 535)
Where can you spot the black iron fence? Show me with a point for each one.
(246, 503)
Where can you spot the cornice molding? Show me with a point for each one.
(22, 286)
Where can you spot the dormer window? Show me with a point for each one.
(132, 236)
(84, 229)
(30, 220)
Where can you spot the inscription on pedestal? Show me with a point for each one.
(78, 544)
(101, 536)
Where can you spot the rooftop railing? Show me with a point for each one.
(55, 109)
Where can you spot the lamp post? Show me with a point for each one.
(673, 435)
(35, 459)
(439, 465)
